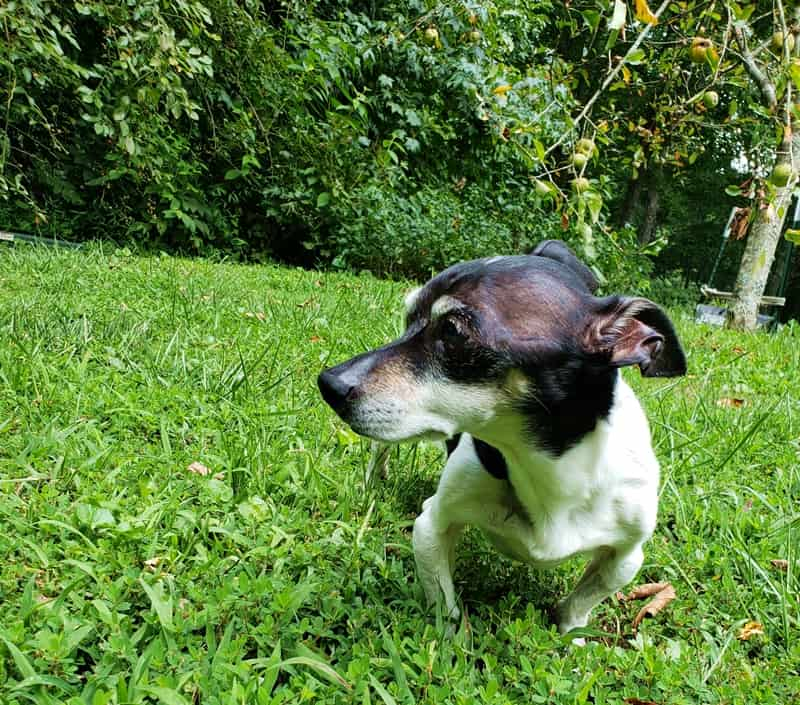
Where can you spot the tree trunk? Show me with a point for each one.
(762, 241)
(648, 229)
(632, 195)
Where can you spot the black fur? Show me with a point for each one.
(491, 459)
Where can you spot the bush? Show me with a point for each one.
(397, 137)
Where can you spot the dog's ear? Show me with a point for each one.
(559, 251)
(636, 332)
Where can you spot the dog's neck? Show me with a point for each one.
(540, 475)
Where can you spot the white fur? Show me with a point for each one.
(600, 498)
(443, 305)
(411, 298)
(432, 409)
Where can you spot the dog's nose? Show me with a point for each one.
(333, 388)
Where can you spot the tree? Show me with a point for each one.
(775, 197)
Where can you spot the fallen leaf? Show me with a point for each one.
(219, 476)
(636, 701)
(315, 339)
(750, 630)
(152, 563)
(739, 351)
(198, 469)
(661, 599)
(730, 403)
(258, 314)
(646, 590)
(780, 564)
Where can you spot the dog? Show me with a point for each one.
(515, 363)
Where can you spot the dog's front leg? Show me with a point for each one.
(467, 494)
(434, 552)
(609, 570)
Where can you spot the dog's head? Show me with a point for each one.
(502, 345)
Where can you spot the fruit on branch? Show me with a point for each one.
(702, 50)
(778, 41)
(579, 160)
(580, 184)
(781, 174)
(585, 146)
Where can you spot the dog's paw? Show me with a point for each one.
(566, 621)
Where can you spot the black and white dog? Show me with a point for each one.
(515, 362)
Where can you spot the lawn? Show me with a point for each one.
(184, 521)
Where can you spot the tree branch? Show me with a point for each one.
(766, 86)
(610, 77)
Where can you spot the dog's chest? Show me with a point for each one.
(600, 493)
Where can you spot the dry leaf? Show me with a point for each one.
(636, 701)
(741, 220)
(646, 590)
(258, 314)
(750, 630)
(780, 564)
(730, 403)
(152, 563)
(643, 12)
(198, 469)
(315, 339)
(662, 598)
(219, 476)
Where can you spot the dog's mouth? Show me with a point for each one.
(389, 428)
(388, 436)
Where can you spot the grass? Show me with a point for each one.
(277, 577)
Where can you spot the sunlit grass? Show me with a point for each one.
(277, 577)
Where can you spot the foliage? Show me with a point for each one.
(393, 136)
(277, 577)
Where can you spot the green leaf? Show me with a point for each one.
(161, 604)
(794, 74)
(323, 199)
(168, 696)
(733, 190)
(315, 664)
(636, 57)
(594, 201)
(232, 174)
(20, 660)
(380, 690)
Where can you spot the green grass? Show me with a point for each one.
(278, 578)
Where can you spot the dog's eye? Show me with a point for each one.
(450, 333)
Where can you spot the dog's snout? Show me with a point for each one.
(334, 388)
